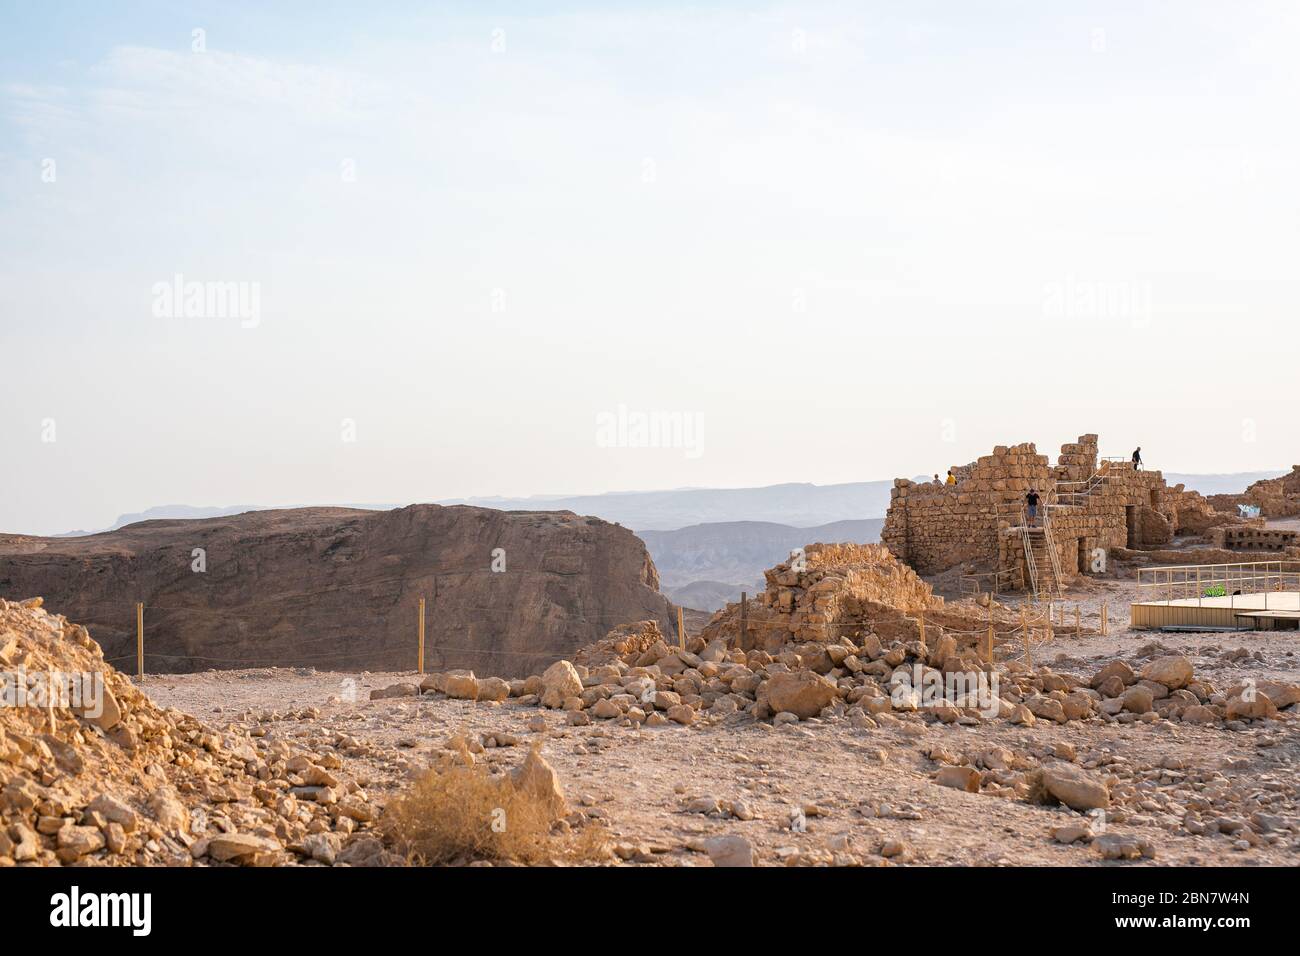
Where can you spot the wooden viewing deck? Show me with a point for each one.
(1258, 595)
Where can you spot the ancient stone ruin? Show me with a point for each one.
(1087, 507)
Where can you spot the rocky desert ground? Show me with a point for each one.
(848, 716)
(1135, 784)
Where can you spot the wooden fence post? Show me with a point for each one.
(988, 656)
(420, 655)
(1104, 624)
(744, 619)
(681, 629)
(139, 640)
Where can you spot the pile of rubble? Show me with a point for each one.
(93, 772)
(843, 636)
(865, 680)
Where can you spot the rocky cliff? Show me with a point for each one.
(336, 588)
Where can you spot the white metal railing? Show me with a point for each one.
(1202, 581)
(1075, 493)
(1052, 553)
(1030, 564)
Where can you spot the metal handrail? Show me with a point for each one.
(1053, 554)
(1027, 543)
(1088, 485)
(1187, 581)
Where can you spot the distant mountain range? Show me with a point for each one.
(706, 565)
(740, 551)
(1230, 483)
(799, 504)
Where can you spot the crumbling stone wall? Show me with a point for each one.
(936, 527)
(843, 591)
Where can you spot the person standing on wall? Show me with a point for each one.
(1137, 458)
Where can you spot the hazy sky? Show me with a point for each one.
(839, 242)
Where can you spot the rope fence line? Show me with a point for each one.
(415, 580)
(1031, 623)
(410, 587)
(280, 662)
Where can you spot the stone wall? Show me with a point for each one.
(1249, 538)
(936, 527)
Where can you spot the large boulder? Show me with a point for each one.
(560, 681)
(240, 847)
(1118, 669)
(1281, 695)
(1138, 699)
(1077, 789)
(802, 693)
(538, 778)
(1251, 706)
(732, 850)
(493, 688)
(461, 685)
(1174, 671)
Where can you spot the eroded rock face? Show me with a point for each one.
(339, 587)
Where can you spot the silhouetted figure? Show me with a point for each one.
(1137, 458)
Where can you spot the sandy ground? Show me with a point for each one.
(858, 788)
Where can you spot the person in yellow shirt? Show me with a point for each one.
(952, 479)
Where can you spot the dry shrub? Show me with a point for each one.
(1036, 791)
(461, 813)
